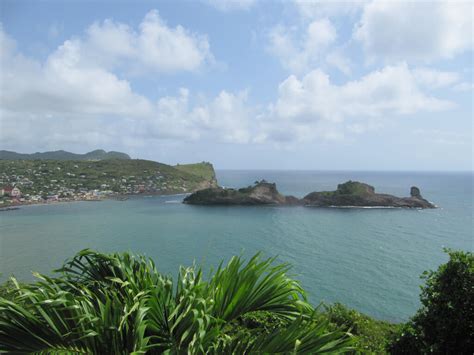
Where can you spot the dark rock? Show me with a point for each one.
(357, 194)
(348, 194)
(262, 193)
(415, 192)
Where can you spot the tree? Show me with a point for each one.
(120, 303)
(445, 322)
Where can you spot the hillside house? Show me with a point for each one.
(12, 191)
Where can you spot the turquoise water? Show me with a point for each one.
(369, 259)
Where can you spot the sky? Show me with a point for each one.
(244, 84)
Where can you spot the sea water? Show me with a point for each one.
(368, 259)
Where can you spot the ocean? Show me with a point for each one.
(368, 259)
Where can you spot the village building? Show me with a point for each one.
(11, 191)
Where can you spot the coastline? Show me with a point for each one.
(118, 197)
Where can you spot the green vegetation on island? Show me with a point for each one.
(98, 154)
(119, 303)
(69, 179)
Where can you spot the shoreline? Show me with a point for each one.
(119, 198)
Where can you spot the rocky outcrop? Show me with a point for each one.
(262, 193)
(357, 194)
(348, 194)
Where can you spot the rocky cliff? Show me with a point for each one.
(262, 193)
(348, 194)
(358, 194)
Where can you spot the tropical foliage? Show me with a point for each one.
(445, 322)
(371, 336)
(120, 303)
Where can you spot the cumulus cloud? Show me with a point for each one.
(69, 99)
(435, 79)
(154, 46)
(78, 96)
(300, 54)
(338, 60)
(314, 107)
(63, 85)
(224, 118)
(415, 31)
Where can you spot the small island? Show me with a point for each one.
(358, 194)
(348, 194)
(262, 193)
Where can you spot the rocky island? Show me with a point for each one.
(358, 194)
(262, 193)
(348, 194)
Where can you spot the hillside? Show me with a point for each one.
(68, 178)
(204, 170)
(98, 154)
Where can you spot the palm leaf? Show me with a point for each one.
(119, 303)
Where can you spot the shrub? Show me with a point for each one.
(445, 322)
(371, 335)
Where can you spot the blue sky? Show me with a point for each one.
(245, 84)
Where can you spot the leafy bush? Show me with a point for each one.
(445, 322)
(371, 335)
(121, 304)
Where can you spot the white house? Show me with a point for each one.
(11, 191)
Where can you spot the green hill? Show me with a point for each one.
(69, 177)
(204, 170)
(98, 154)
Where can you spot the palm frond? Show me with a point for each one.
(257, 286)
(119, 303)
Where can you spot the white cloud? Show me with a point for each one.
(464, 86)
(230, 5)
(76, 96)
(224, 118)
(341, 62)
(299, 55)
(314, 107)
(228, 114)
(68, 101)
(72, 100)
(415, 31)
(62, 85)
(154, 47)
(444, 137)
(435, 79)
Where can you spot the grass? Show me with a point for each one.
(204, 170)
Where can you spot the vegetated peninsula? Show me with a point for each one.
(98, 154)
(37, 181)
(348, 194)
